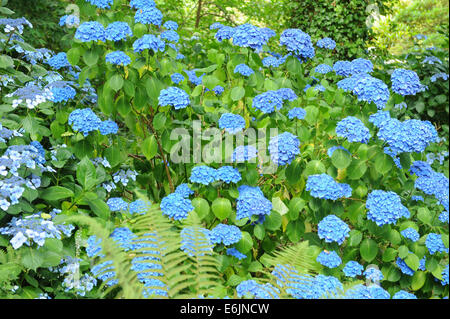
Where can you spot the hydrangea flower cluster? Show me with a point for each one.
(371, 89)
(251, 201)
(90, 31)
(403, 295)
(117, 31)
(118, 58)
(177, 78)
(297, 112)
(124, 177)
(367, 292)
(224, 33)
(353, 129)
(249, 36)
(353, 269)
(343, 68)
(117, 204)
(436, 184)
(373, 274)
(250, 288)
(139, 4)
(333, 229)
(348, 84)
(361, 66)
(323, 69)
(329, 259)
(228, 174)
(15, 24)
(268, 101)
(411, 234)
(435, 244)
(148, 15)
(232, 123)
(274, 62)
(175, 97)
(244, 153)
(236, 253)
(59, 61)
(184, 190)
(243, 69)
(385, 207)
(437, 76)
(70, 269)
(150, 42)
(203, 175)
(86, 121)
(324, 186)
(406, 82)
(193, 78)
(218, 90)
(61, 91)
(298, 42)
(444, 280)
(69, 21)
(170, 25)
(225, 234)
(404, 268)
(326, 43)
(102, 4)
(378, 119)
(32, 95)
(34, 228)
(176, 206)
(283, 148)
(170, 36)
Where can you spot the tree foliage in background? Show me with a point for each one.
(344, 20)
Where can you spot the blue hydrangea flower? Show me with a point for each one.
(353, 269)
(286, 94)
(176, 206)
(443, 217)
(370, 89)
(224, 33)
(177, 78)
(203, 175)
(404, 268)
(218, 90)
(196, 80)
(243, 69)
(117, 204)
(435, 244)
(84, 121)
(69, 20)
(247, 35)
(324, 186)
(235, 253)
(437, 76)
(226, 234)
(59, 61)
(170, 25)
(90, 31)
(118, 58)
(251, 201)
(283, 148)
(148, 15)
(232, 123)
(385, 207)
(268, 101)
(323, 69)
(140, 4)
(403, 295)
(228, 174)
(353, 130)
(61, 92)
(184, 190)
(343, 68)
(250, 288)
(361, 66)
(102, 4)
(373, 274)
(329, 259)
(216, 26)
(170, 36)
(348, 84)
(444, 280)
(297, 112)
(117, 31)
(411, 234)
(298, 42)
(436, 184)
(149, 41)
(378, 119)
(195, 241)
(405, 82)
(108, 127)
(139, 207)
(326, 43)
(272, 61)
(175, 97)
(244, 153)
(333, 229)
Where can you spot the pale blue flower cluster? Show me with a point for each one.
(297, 112)
(90, 31)
(353, 129)
(251, 201)
(148, 15)
(184, 190)
(170, 36)
(177, 78)
(203, 175)
(176, 206)
(243, 69)
(224, 33)
(117, 31)
(250, 288)
(235, 253)
(326, 43)
(61, 91)
(175, 97)
(31, 94)
(170, 25)
(298, 42)
(370, 89)
(232, 123)
(385, 207)
(361, 66)
(117, 204)
(373, 274)
(102, 4)
(150, 42)
(140, 4)
(196, 80)
(367, 292)
(435, 244)
(329, 259)
(404, 268)
(118, 58)
(284, 148)
(225, 234)
(244, 153)
(437, 76)
(195, 241)
(353, 269)
(69, 20)
(228, 174)
(324, 186)
(272, 61)
(333, 229)
(323, 69)
(218, 90)
(406, 82)
(249, 36)
(86, 121)
(343, 68)
(444, 280)
(403, 295)
(411, 234)
(59, 61)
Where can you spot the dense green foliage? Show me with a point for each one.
(129, 95)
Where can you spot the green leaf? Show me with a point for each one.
(32, 258)
(259, 232)
(99, 208)
(418, 280)
(149, 147)
(53, 244)
(201, 207)
(237, 93)
(295, 230)
(55, 193)
(356, 169)
(279, 206)
(159, 121)
(341, 159)
(383, 163)
(221, 208)
(90, 58)
(73, 56)
(403, 251)
(424, 215)
(273, 221)
(354, 238)
(368, 249)
(412, 261)
(116, 82)
(245, 244)
(6, 62)
(86, 174)
(389, 255)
